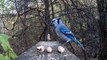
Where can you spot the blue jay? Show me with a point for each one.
(63, 32)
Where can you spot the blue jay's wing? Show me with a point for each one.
(70, 35)
(66, 31)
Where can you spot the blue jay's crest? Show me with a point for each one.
(63, 32)
(56, 22)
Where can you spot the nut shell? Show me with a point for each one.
(49, 49)
(41, 48)
(61, 49)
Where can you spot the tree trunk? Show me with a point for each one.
(102, 8)
(47, 18)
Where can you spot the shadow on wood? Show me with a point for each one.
(34, 54)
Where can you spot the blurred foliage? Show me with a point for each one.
(8, 51)
(6, 6)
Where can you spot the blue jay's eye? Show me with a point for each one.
(53, 21)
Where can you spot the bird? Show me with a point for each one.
(64, 32)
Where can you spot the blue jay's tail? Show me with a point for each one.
(77, 41)
(81, 46)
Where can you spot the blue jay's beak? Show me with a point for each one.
(51, 24)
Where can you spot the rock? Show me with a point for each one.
(33, 54)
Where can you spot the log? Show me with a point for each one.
(34, 54)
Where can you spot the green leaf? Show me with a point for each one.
(7, 58)
(4, 42)
(12, 7)
(2, 57)
(1, 0)
(6, 46)
(12, 55)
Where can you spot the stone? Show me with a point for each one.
(33, 54)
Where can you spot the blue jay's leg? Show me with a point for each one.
(66, 42)
(71, 47)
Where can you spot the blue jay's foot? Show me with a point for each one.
(64, 44)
